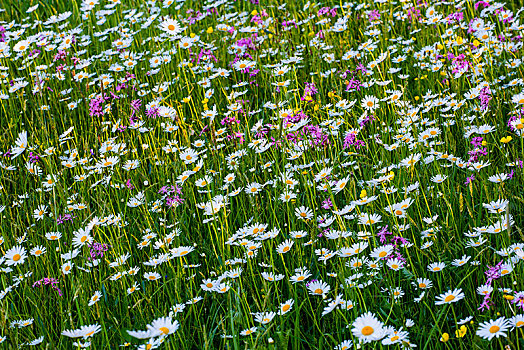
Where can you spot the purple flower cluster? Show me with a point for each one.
(33, 157)
(194, 16)
(61, 55)
(383, 235)
(152, 112)
(469, 179)
(96, 108)
(229, 121)
(206, 55)
(481, 3)
(353, 84)
(313, 134)
(327, 204)
(459, 62)
(246, 42)
(7, 154)
(485, 97)
(295, 117)
(53, 282)
(414, 14)
(67, 217)
(351, 140)
(97, 250)
(309, 91)
(478, 151)
(129, 184)
(173, 195)
(492, 274)
(135, 107)
(367, 120)
(519, 300)
(327, 11)
(374, 15)
(289, 23)
(455, 17)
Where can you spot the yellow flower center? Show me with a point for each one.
(367, 330)
(494, 329)
(449, 298)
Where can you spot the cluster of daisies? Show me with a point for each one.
(244, 166)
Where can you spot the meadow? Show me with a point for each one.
(261, 174)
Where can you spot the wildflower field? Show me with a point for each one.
(261, 174)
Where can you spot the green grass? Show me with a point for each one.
(263, 147)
